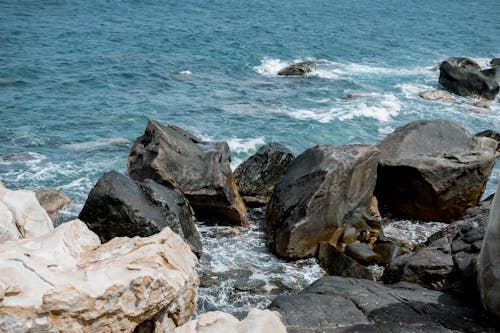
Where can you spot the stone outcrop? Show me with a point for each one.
(257, 321)
(257, 175)
(298, 69)
(433, 170)
(52, 200)
(341, 305)
(21, 215)
(449, 259)
(436, 95)
(334, 262)
(466, 79)
(495, 62)
(66, 281)
(117, 206)
(324, 188)
(489, 261)
(172, 156)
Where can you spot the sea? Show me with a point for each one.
(79, 80)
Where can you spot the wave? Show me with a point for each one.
(98, 144)
(334, 70)
(245, 145)
(381, 107)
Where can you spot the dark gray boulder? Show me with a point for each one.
(172, 156)
(117, 206)
(257, 175)
(334, 262)
(492, 73)
(495, 62)
(489, 261)
(362, 253)
(298, 69)
(464, 81)
(432, 170)
(324, 188)
(338, 305)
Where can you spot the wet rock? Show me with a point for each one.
(172, 156)
(490, 134)
(21, 215)
(324, 188)
(256, 321)
(495, 62)
(432, 170)
(436, 95)
(467, 80)
(387, 252)
(429, 267)
(117, 206)
(482, 103)
(492, 73)
(340, 305)
(249, 285)
(257, 175)
(66, 281)
(334, 262)
(489, 261)
(52, 200)
(298, 69)
(362, 253)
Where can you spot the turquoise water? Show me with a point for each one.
(79, 79)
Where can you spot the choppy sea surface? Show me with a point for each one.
(79, 79)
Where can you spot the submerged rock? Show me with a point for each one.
(257, 321)
(257, 175)
(433, 170)
(52, 200)
(340, 305)
(21, 215)
(172, 156)
(298, 69)
(324, 188)
(117, 206)
(467, 80)
(66, 281)
(489, 261)
(436, 95)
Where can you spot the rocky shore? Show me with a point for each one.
(128, 263)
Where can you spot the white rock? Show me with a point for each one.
(436, 95)
(21, 216)
(256, 321)
(66, 281)
(489, 260)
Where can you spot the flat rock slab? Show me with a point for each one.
(335, 304)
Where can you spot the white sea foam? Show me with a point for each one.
(412, 233)
(411, 90)
(381, 107)
(98, 144)
(185, 73)
(270, 66)
(241, 148)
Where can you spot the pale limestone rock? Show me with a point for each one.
(66, 281)
(256, 321)
(21, 216)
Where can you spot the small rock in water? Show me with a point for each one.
(52, 200)
(436, 95)
(298, 69)
(231, 231)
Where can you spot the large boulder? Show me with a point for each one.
(257, 321)
(489, 261)
(66, 281)
(298, 69)
(257, 175)
(117, 206)
(52, 200)
(324, 188)
(466, 80)
(340, 305)
(433, 170)
(21, 215)
(201, 170)
(492, 73)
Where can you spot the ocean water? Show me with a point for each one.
(79, 79)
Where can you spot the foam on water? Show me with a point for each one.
(270, 67)
(239, 273)
(412, 233)
(242, 148)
